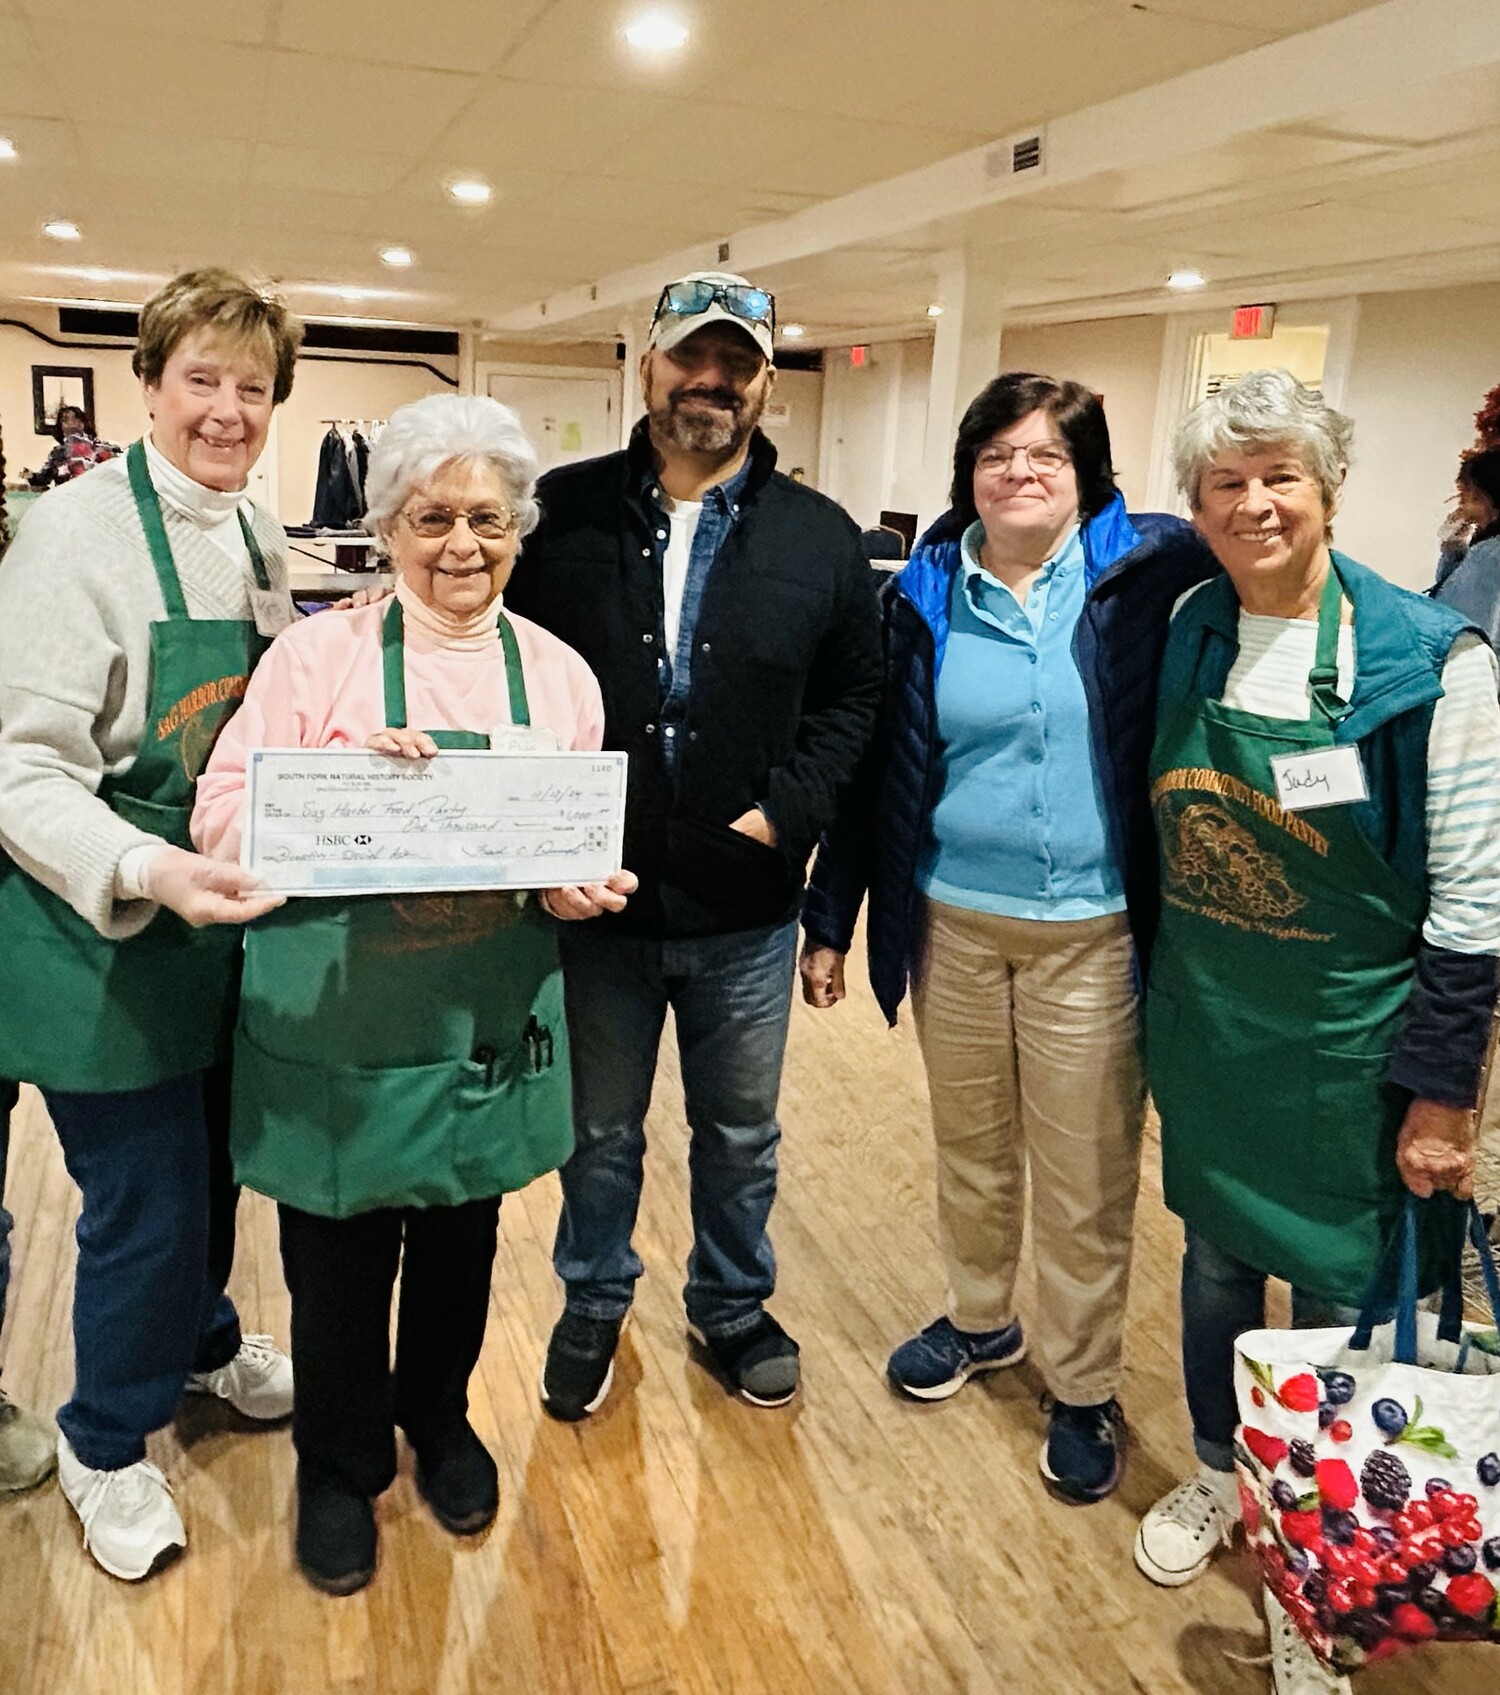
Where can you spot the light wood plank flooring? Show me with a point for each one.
(678, 1542)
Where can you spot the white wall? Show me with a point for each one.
(339, 387)
(1119, 358)
(1422, 363)
(873, 421)
(796, 440)
(118, 412)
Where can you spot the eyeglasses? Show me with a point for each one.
(486, 523)
(743, 300)
(1046, 458)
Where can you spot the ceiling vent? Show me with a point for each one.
(1015, 157)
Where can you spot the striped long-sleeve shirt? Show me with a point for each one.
(1269, 677)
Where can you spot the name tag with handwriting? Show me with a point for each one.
(330, 822)
(1332, 776)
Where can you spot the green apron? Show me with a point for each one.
(402, 1050)
(90, 1015)
(1278, 982)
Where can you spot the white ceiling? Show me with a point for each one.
(295, 137)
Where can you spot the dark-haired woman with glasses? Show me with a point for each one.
(402, 1062)
(1022, 640)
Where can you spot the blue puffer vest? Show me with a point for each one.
(1135, 569)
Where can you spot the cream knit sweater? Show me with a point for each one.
(78, 596)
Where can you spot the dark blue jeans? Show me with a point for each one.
(155, 1246)
(731, 999)
(9, 1093)
(1222, 1297)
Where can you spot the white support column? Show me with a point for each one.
(631, 403)
(965, 356)
(468, 344)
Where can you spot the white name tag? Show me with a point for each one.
(524, 738)
(1332, 776)
(272, 609)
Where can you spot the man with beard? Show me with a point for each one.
(730, 618)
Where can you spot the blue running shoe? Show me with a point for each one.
(937, 1363)
(1083, 1458)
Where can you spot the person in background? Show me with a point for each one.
(133, 606)
(402, 1061)
(731, 620)
(999, 827)
(78, 450)
(1468, 576)
(1324, 974)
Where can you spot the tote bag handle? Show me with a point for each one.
(1402, 1246)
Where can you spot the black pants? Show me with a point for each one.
(341, 1273)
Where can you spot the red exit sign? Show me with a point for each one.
(1253, 323)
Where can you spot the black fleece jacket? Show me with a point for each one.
(786, 680)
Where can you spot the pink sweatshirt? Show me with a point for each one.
(321, 685)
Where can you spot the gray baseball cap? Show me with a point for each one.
(708, 297)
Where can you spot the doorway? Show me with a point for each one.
(1313, 339)
(568, 411)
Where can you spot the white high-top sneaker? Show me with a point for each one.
(1295, 1669)
(130, 1525)
(257, 1382)
(1187, 1527)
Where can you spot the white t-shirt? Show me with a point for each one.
(682, 519)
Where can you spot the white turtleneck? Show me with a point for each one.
(471, 632)
(214, 511)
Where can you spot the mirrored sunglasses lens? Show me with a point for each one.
(687, 298)
(753, 304)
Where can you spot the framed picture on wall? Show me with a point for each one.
(55, 386)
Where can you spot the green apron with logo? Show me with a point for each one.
(402, 1050)
(89, 1015)
(1278, 983)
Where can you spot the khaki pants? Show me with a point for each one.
(1030, 1036)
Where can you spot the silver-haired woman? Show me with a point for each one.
(401, 1062)
(1326, 788)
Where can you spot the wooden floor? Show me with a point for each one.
(677, 1542)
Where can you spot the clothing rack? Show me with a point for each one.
(343, 455)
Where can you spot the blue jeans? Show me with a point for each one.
(9, 1092)
(1222, 1297)
(731, 998)
(155, 1245)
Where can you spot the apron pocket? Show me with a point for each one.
(340, 1140)
(1355, 1115)
(510, 1130)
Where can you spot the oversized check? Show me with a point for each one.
(328, 822)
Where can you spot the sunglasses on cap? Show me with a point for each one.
(741, 300)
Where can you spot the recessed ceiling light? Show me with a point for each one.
(398, 258)
(656, 32)
(470, 191)
(794, 332)
(7, 147)
(934, 310)
(1187, 279)
(62, 229)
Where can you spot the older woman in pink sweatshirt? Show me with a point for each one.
(401, 1062)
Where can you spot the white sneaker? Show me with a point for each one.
(1295, 1669)
(129, 1523)
(1187, 1527)
(257, 1382)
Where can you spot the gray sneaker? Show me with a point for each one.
(761, 1364)
(28, 1448)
